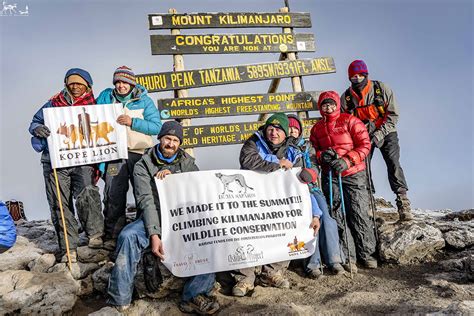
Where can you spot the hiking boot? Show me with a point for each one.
(370, 263)
(122, 308)
(110, 244)
(242, 288)
(275, 280)
(337, 268)
(404, 208)
(95, 242)
(73, 255)
(347, 267)
(314, 273)
(201, 305)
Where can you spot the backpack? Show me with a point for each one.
(378, 104)
(16, 209)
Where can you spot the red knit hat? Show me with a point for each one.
(294, 123)
(357, 67)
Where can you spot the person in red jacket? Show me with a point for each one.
(342, 143)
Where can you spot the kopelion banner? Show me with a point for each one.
(224, 220)
(82, 135)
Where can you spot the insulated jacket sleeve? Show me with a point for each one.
(38, 118)
(250, 158)
(361, 141)
(147, 198)
(151, 122)
(313, 139)
(391, 115)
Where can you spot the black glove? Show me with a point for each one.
(370, 126)
(151, 271)
(42, 131)
(339, 165)
(375, 142)
(328, 156)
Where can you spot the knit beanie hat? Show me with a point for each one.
(76, 79)
(172, 128)
(358, 67)
(294, 122)
(279, 120)
(125, 74)
(308, 175)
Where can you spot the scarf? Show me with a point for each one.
(358, 87)
(63, 98)
(163, 158)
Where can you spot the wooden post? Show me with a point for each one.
(66, 240)
(296, 82)
(178, 65)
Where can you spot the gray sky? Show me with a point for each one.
(423, 49)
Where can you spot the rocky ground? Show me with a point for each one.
(428, 268)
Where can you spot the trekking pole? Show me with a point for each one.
(345, 222)
(372, 198)
(62, 219)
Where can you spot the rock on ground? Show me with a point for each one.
(29, 293)
(411, 242)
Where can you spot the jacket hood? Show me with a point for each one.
(333, 95)
(80, 72)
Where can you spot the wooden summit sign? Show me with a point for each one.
(227, 20)
(231, 43)
(227, 134)
(228, 105)
(155, 82)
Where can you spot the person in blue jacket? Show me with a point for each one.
(269, 149)
(7, 229)
(328, 241)
(75, 183)
(141, 116)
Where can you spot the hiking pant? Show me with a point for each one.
(361, 236)
(390, 151)
(327, 244)
(75, 183)
(248, 274)
(116, 178)
(131, 242)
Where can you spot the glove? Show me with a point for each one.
(339, 165)
(42, 131)
(370, 126)
(151, 271)
(328, 156)
(376, 141)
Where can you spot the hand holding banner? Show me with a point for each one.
(224, 220)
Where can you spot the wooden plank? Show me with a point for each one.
(178, 65)
(227, 20)
(228, 134)
(231, 43)
(164, 81)
(245, 104)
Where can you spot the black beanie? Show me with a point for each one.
(172, 128)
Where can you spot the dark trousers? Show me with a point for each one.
(75, 184)
(390, 151)
(117, 177)
(361, 236)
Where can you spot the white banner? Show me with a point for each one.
(223, 220)
(82, 135)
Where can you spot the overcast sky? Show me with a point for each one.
(423, 49)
